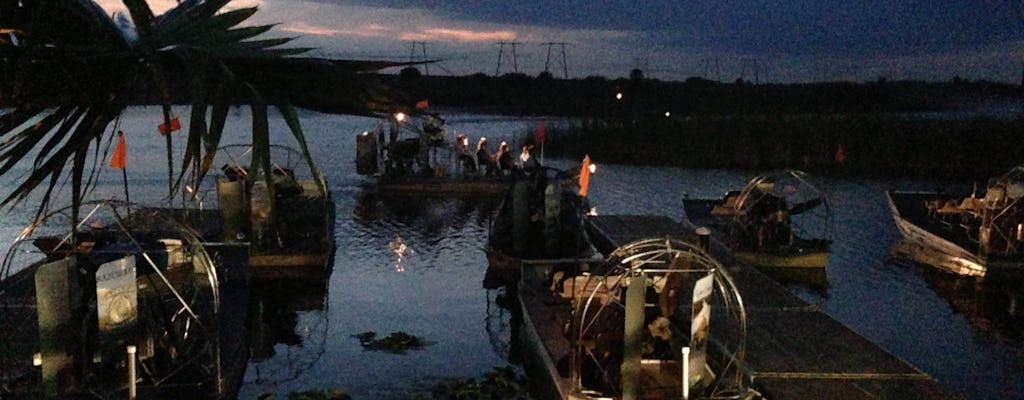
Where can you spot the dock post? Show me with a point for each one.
(634, 326)
(131, 372)
(704, 239)
(686, 373)
(520, 215)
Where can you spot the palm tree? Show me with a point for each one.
(70, 70)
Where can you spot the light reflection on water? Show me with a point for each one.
(966, 334)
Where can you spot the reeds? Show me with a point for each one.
(872, 144)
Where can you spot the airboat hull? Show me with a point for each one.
(922, 241)
(711, 213)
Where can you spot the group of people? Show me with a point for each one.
(499, 163)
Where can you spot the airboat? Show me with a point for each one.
(287, 220)
(778, 220)
(963, 233)
(541, 217)
(411, 154)
(125, 302)
(658, 319)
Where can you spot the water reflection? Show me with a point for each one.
(288, 329)
(993, 304)
(430, 215)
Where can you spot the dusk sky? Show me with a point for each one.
(772, 41)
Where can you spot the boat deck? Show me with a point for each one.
(794, 351)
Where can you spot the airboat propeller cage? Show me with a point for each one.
(787, 195)
(148, 279)
(674, 271)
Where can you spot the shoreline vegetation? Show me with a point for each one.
(866, 145)
(956, 129)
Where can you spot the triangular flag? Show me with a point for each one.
(585, 176)
(175, 125)
(422, 104)
(538, 135)
(840, 155)
(120, 158)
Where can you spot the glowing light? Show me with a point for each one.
(618, 96)
(593, 168)
(668, 114)
(400, 248)
(399, 116)
(365, 133)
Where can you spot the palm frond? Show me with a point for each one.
(75, 70)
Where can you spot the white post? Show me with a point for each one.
(686, 373)
(131, 372)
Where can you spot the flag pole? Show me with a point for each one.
(124, 179)
(119, 160)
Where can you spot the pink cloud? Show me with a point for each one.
(371, 30)
(458, 35)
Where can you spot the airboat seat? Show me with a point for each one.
(972, 204)
(950, 207)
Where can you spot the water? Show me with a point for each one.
(966, 334)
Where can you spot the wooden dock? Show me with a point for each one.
(794, 351)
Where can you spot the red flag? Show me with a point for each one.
(538, 135)
(175, 125)
(422, 104)
(585, 176)
(120, 158)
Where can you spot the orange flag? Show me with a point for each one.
(175, 125)
(422, 104)
(840, 155)
(585, 176)
(120, 158)
(538, 135)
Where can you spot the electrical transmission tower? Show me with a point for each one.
(412, 56)
(751, 63)
(515, 58)
(547, 61)
(712, 65)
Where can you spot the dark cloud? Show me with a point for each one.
(801, 27)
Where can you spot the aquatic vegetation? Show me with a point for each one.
(500, 383)
(396, 342)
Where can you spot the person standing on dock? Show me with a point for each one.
(483, 157)
(504, 159)
(526, 159)
(463, 155)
